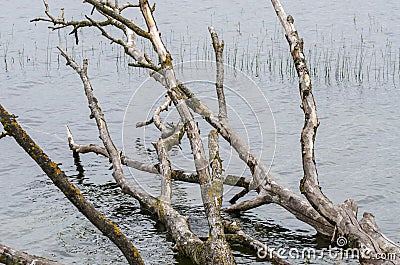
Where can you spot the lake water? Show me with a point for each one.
(353, 49)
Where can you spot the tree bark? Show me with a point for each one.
(343, 216)
(219, 84)
(317, 210)
(70, 191)
(220, 252)
(12, 256)
(269, 190)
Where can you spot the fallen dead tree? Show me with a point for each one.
(315, 209)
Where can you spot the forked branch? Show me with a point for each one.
(343, 216)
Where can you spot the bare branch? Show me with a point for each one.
(70, 191)
(96, 112)
(235, 234)
(239, 195)
(60, 23)
(178, 175)
(145, 65)
(12, 256)
(219, 48)
(215, 186)
(104, 33)
(156, 117)
(162, 147)
(82, 149)
(144, 123)
(102, 8)
(127, 5)
(257, 202)
(286, 198)
(344, 216)
(309, 184)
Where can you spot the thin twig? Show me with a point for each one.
(127, 5)
(60, 23)
(101, 7)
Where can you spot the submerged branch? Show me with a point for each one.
(343, 216)
(114, 154)
(12, 256)
(269, 190)
(60, 179)
(178, 175)
(220, 251)
(235, 234)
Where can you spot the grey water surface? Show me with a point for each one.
(353, 50)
